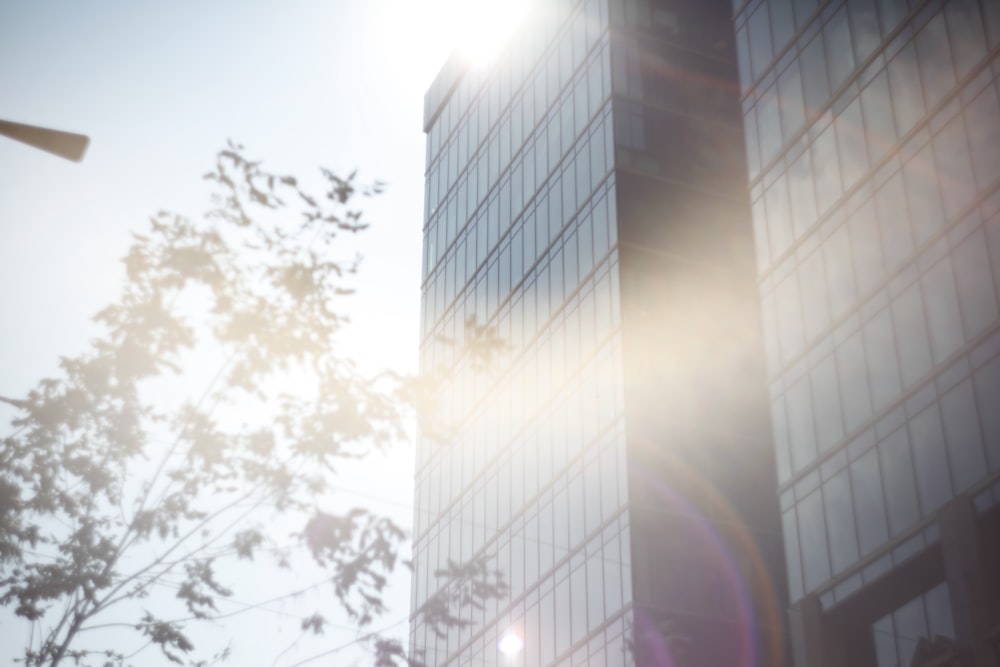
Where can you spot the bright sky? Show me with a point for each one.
(159, 87)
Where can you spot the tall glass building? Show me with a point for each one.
(590, 311)
(873, 145)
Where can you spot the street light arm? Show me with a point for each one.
(64, 144)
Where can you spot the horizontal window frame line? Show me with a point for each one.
(788, 146)
(965, 350)
(865, 298)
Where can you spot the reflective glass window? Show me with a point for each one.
(894, 222)
(769, 125)
(954, 169)
(789, 322)
(904, 82)
(852, 142)
(779, 223)
(782, 23)
(815, 81)
(922, 194)
(943, 316)
(801, 432)
(879, 126)
(866, 247)
(793, 562)
(800, 190)
(812, 537)
(864, 25)
(839, 272)
(826, 403)
(883, 369)
(961, 428)
(826, 169)
(911, 341)
(815, 308)
(839, 51)
(965, 28)
(896, 461)
(761, 51)
(854, 392)
(929, 459)
(804, 10)
(866, 487)
(987, 385)
(982, 117)
(840, 521)
(973, 277)
(936, 72)
(790, 101)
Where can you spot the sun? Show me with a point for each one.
(483, 26)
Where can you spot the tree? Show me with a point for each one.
(113, 485)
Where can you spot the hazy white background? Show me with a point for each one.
(159, 87)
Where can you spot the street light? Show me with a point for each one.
(64, 144)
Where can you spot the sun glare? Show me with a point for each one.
(484, 25)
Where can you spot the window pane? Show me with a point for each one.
(973, 276)
(839, 53)
(792, 560)
(867, 247)
(800, 188)
(826, 403)
(815, 309)
(911, 341)
(779, 224)
(982, 117)
(864, 25)
(961, 427)
(987, 381)
(897, 477)
(954, 170)
(929, 459)
(866, 485)
(852, 142)
(826, 169)
(883, 370)
(894, 222)
(942, 310)
(911, 625)
(760, 40)
(812, 537)
(801, 435)
(814, 77)
(877, 109)
(854, 390)
(840, 521)
(904, 81)
(790, 100)
(936, 71)
(839, 274)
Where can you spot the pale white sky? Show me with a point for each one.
(159, 87)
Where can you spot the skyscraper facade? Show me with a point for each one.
(590, 313)
(873, 142)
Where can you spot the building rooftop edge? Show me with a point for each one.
(442, 87)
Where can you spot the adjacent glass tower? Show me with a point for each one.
(591, 314)
(873, 141)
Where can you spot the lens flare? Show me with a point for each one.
(510, 644)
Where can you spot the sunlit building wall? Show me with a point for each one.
(589, 312)
(873, 141)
